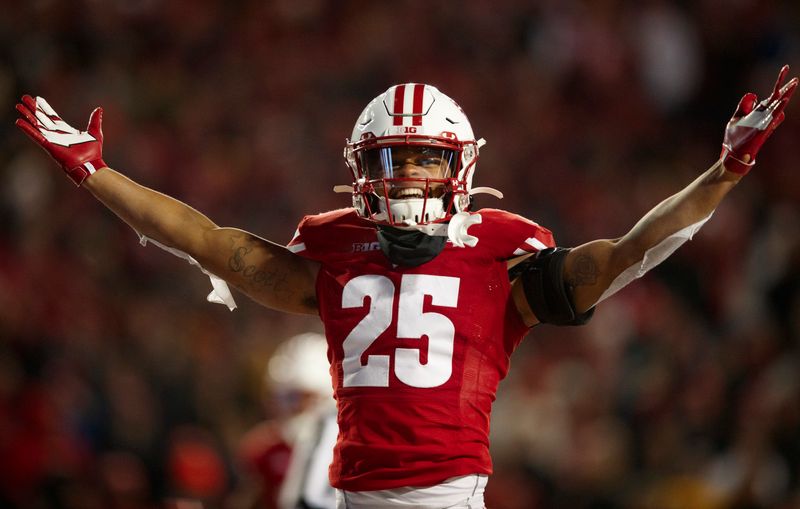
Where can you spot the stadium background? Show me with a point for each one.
(120, 386)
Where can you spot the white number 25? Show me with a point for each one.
(412, 322)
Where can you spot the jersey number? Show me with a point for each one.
(412, 322)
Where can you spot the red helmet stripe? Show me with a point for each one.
(419, 91)
(399, 99)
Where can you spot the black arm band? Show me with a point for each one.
(548, 295)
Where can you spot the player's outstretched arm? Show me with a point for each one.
(268, 273)
(596, 270)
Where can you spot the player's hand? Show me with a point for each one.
(752, 123)
(79, 153)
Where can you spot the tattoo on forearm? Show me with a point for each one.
(583, 272)
(277, 278)
(236, 262)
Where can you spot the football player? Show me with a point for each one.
(420, 310)
(291, 451)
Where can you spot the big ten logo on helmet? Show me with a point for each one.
(360, 247)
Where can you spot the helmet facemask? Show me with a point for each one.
(408, 183)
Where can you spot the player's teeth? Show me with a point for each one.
(409, 192)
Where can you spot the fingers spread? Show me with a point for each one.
(788, 89)
(781, 76)
(42, 104)
(786, 95)
(47, 116)
(29, 101)
(44, 120)
(781, 106)
(25, 112)
(31, 131)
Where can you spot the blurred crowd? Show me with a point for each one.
(120, 387)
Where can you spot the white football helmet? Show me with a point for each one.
(301, 364)
(412, 154)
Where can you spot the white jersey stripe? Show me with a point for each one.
(296, 248)
(538, 244)
(531, 245)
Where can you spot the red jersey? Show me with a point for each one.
(416, 352)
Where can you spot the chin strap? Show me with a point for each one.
(414, 245)
(409, 248)
(455, 230)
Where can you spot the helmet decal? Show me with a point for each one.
(410, 104)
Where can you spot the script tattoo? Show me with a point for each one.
(275, 278)
(583, 272)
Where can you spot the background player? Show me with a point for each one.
(289, 453)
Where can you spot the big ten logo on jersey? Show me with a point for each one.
(361, 247)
